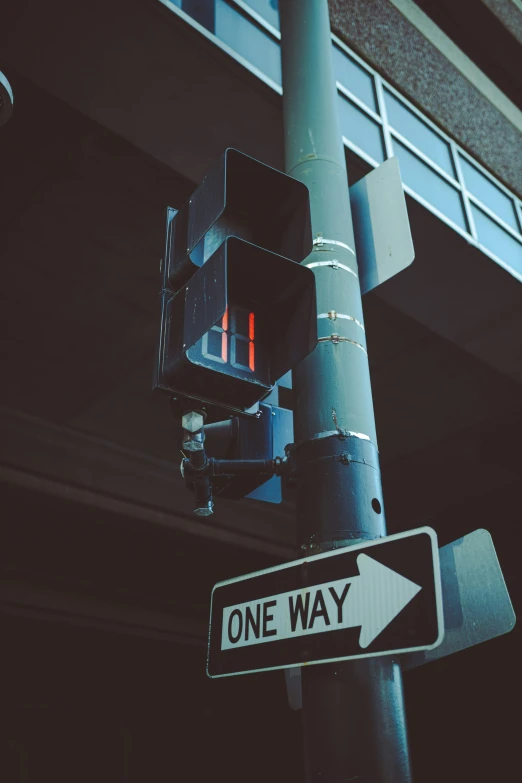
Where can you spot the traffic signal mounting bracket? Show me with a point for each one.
(248, 462)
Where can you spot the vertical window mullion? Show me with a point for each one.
(388, 143)
(518, 210)
(463, 190)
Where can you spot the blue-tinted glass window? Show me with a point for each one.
(416, 131)
(268, 9)
(202, 11)
(248, 40)
(354, 78)
(488, 193)
(434, 189)
(492, 236)
(360, 129)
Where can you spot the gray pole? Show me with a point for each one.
(353, 712)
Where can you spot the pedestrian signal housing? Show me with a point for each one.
(237, 309)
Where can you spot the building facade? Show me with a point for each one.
(120, 108)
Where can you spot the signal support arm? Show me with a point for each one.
(198, 469)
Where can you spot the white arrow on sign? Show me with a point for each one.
(370, 600)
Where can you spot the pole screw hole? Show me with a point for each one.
(376, 506)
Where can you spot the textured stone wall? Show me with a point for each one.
(377, 31)
(509, 14)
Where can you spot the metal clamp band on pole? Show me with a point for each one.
(333, 316)
(320, 241)
(334, 265)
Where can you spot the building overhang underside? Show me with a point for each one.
(124, 113)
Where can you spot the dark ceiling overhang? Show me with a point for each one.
(149, 76)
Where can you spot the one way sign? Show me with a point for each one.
(376, 598)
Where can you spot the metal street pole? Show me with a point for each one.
(353, 712)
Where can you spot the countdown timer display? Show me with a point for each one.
(233, 346)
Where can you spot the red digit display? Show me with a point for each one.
(232, 343)
(224, 337)
(251, 349)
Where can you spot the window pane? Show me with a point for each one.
(492, 236)
(354, 78)
(488, 193)
(268, 9)
(360, 129)
(424, 181)
(248, 40)
(201, 12)
(423, 137)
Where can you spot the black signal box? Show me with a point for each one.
(244, 198)
(237, 311)
(244, 318)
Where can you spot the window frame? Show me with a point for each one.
(388, 132)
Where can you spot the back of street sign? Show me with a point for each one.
(477, 606)
(376, 598)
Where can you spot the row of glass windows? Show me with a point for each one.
(376, 123)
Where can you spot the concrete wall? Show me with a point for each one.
(399, 41)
